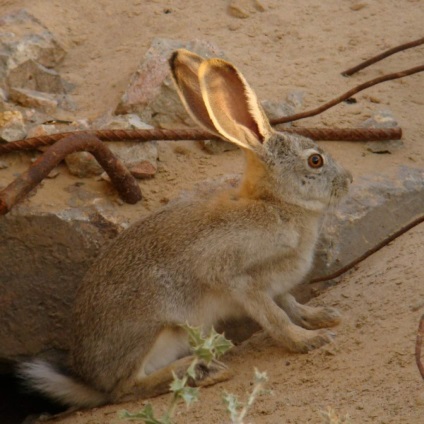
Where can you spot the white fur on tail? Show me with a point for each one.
(42, 376)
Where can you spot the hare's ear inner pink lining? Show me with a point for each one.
(185, 72)
(232, 104)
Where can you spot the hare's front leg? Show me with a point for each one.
(308, 316)
(262, 308)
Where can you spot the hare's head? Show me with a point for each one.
(281, 165)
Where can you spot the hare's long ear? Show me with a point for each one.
(232, 105)
(185, 72)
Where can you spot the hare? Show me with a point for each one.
(238, 252)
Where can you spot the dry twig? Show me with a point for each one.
(348, 94)
(382, 56)
(121, 178)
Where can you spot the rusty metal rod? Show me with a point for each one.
(371, 251)
(382, 56)
(418, 345)
(346, 95)
(123, 181)
(324, 134)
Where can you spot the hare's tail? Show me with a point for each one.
(49, 380)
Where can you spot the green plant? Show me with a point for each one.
(237, 410)
(205, 349)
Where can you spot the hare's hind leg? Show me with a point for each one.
(166, 358)
(308, 316)
(159, 382)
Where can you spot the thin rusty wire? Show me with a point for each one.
(324, 134)
(121, 178)
(369, 252)
(347, 94)
(382, 56)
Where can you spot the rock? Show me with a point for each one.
(3, 164)
(375, 208)
(274, 110)
(243, 9)
(151, 93)
(83, 165)
(22, 38)
(44, 256)
(382, 119)
(45, 102)
(295, 100)
(55, 127)
(143, 170)
(12, 126)
(131, 153)
(31, 75)
(217, 146)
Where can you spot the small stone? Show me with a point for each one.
(382, 119)
(53, 173)
(243, 9)
(217, 146)
(83, 164)
(143, 170)
(54, 127)
(358, 6)
(12, 126)
(48, 103)
(274, 110)
(295, 100)
(3, 164)
(374, 99)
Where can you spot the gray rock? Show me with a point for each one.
(56, 127)
(295, 100)
(31, 75)
(382, 119)
(217, 146)
(132, 153)
(375, 208)
(151, 93)
(44, 256)
(46, 102)
(274, 110)
(12, 126)
(23, 37)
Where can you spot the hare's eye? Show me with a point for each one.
(315, 161)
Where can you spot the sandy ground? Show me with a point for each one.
(369, 372)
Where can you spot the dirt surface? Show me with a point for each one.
(369, 371)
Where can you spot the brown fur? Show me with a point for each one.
(237, 252)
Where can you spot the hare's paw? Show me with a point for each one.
(314, 318)
(213, 373)
(306, 316)
(304, 341)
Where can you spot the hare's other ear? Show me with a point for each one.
(232, 105)
(185, 70)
